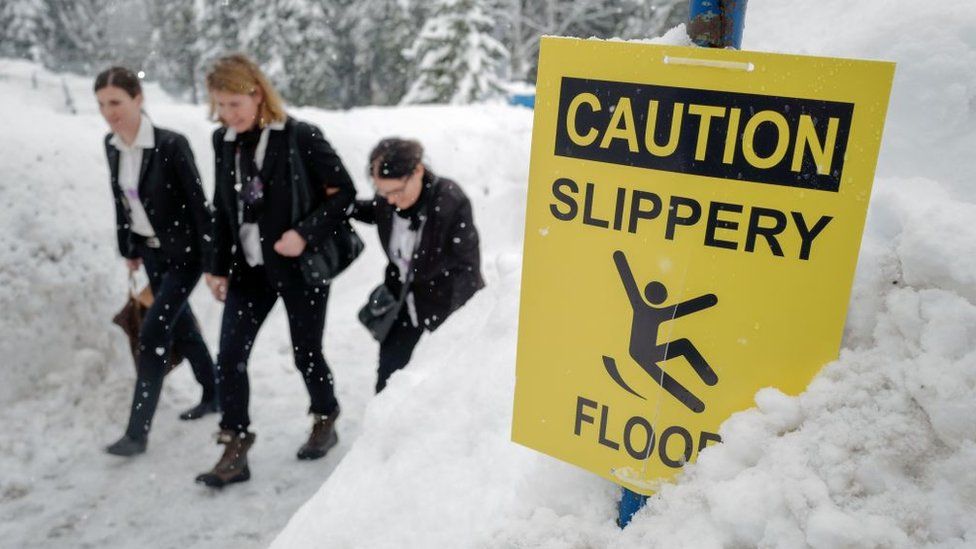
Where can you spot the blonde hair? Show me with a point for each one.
(236, 73)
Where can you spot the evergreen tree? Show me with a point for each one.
(220, 28)
(25, 26)
(78, 39)
(526, 21)
(311, 77)
(344, 18)
(457, 60)
(287, 38)
(328, 53)
(650, 18)
(386, 29)
(175, 49)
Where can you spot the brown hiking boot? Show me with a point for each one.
(322, 438)
(232, 466)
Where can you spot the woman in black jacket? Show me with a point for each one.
(261, 156)
(163, 223)
(427, 231)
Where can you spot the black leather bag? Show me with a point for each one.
(320, 264)
(380, 312)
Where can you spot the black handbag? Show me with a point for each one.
(381, 311)
(321, 263)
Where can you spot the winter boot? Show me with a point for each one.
(205, 407)
(232, 466)
(127, 446)
(322, 438)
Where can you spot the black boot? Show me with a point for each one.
(205, 407)
(127, 446)
(322, 438)
(232, 466)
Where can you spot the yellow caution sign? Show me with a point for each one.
(692, 229)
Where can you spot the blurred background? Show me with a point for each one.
(324, 53)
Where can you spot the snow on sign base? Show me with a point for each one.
(692, 230)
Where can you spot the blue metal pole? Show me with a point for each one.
(711, 24)
(717, 23)
(630, 503)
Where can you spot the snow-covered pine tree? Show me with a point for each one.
(456, 57)
(526, 21)
(650, 18)
(78, 40)
(343, 18)
(386, 28)
(292, 41)
(311, 76)
(220, 28)
(25, 26)
(175, 48)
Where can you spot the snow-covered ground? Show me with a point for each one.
(66, 374)
(880, 451)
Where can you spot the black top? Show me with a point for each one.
(447, 265)
(323, 169)
(170, 191)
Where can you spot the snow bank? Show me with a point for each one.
(878, 452)
(53, 240)
(929, 131)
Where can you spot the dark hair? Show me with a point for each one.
(395, 157)
(120, 77)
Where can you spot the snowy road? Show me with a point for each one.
(60, 489)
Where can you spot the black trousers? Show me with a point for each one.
(397, 348)
(250, 297)
(169, 322)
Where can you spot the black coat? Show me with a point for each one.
(447, 265)
(323, 168)
(170, 191)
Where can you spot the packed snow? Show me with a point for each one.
(878, 452)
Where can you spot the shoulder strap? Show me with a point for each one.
(300, 199)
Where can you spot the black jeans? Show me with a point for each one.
(250, 297)
(169, 322)
(396, 349)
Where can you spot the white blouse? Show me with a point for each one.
(403, 244)
(130, 164)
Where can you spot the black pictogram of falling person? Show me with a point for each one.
(644, 349)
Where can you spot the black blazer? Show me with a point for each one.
(170, 191)
(447, 265)
(323, 168)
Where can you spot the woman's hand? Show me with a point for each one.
(218, 286)
(133, 264)
(291, 244)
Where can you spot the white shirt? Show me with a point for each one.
(403, 244)
(250, 233)
(130, 164)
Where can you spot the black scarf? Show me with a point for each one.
(251, 193)
(418, 212)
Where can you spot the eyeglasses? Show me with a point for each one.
(394, 193)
